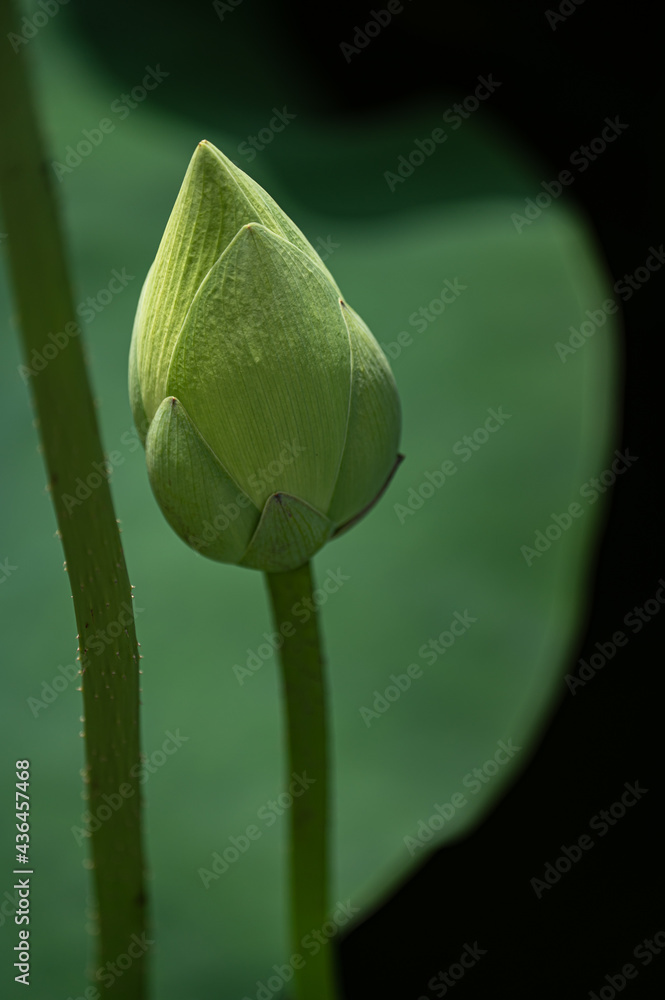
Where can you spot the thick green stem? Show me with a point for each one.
(305, 699)
(55, 369)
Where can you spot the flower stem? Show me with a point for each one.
(56, 371)
(305, 700)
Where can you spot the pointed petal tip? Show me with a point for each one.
(206, 151)
(204, 147)
(258, 231)
(288, 534)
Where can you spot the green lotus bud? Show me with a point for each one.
(271, 413)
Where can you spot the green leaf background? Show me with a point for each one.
(492, 347)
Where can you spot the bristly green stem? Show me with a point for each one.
(56, 371)
(306, 721)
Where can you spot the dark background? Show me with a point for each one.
(559, 84)
(557, 88)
